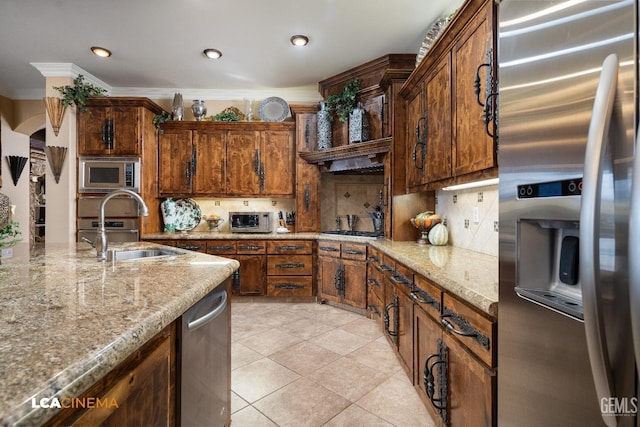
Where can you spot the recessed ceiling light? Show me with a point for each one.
(212, 53)
(100, 51)
(299, 40)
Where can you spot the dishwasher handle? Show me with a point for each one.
(201, 321)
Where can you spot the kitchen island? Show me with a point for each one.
(68, 319)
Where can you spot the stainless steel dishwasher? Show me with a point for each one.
(205, 361)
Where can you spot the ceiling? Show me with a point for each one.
(157, 44)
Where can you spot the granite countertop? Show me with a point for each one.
(469, 275)
(67, 319)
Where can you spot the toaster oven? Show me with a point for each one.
(251, 222)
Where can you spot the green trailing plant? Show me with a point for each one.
(159, 119)
(78, 93)
(10, 234)
(226, 116)
(344, 102)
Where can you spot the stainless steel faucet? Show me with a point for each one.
(101, 244)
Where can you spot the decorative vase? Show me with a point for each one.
(177, 108)
(358, 125)
(198, 109)
(324, 127)
(169, 214)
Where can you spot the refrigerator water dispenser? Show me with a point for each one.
(547, 266)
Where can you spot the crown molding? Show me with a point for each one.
(68, 69)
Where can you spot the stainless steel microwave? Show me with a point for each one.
(105, 174)
(251, 222)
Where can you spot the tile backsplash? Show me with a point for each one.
(471, 217)
(222, 207)
(342, 195)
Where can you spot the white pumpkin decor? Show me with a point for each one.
(438, 235)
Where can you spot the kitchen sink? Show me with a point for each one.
(140, 254)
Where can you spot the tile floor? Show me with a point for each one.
(307, 364)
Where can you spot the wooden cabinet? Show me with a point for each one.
(473, 150)
(307, 185)
(342, 273)
(454, 359)
(226, 159)
(140, 391)
(445, 137)
(251, 278)
(375, 286)
(290, 268)
(115, 126)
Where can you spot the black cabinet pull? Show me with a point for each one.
(491, 93)
(288, 286)
(107, 134)
(235, 281)
(440, 361)
(307, 197)
(289, 247)
(194, 160)
(250, 247)
(261, 177)
(466, 330)
(373, 282)
(338, 280)
(256, 161)
(221, 248)
(384, 267)
(396, 319)
(328, 249)
(374, 309)
(188, 175)
(290, 265)
(191, 247)
(421, 297)
(373, 258)
(307, 133)
(353, 252)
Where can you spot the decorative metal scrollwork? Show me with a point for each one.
(490, 103)
(466, 330)
(438, 360)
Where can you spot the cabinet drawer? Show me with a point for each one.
(427, 296)
(290, 247)
(402, 277)
(327, 248)
(354, 251)
(298, 265)
(375, 308)
(221, 247)
(375, 283)
(251, 247)
(472, 329)
(290, 286)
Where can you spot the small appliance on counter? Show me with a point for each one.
(251, 222)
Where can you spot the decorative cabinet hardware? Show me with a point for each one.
(373, 258)
(307, 134)
(235, 281)
(328, 249)
(191, 247)
(261, 177)
(250, 247)
(194, 160)
(393, 305)
(400, 279)
(256, 161)
(374, 309)
(384, 267)
(421, 141)
(187, 173)
(289, 286)
(491, 95)
(353, 252)
(289, 247)
(307, 197)
(466, 330)
(221, 247)
(421, 297)
(373, 282)
(338, 280)
(107, 134)
(438, 360)
(291, 265)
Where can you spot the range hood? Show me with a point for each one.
(358, 158)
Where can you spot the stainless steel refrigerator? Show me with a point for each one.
(567, 118)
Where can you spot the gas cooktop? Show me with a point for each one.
(353, 233)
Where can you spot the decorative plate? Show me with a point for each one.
(432, 35)
(273, 109)
(188, 214)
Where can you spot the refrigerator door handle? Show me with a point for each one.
(603, 108)
(634, 253)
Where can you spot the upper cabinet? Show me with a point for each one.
(448, 135)
(115, 126)
(226, 159)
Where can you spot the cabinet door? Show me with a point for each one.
(471, 388)
(174, 162)
(438, 124)
(307, 176)
(405, 332)
(125, 131)
(355, 283)
(425, 336)
(208, 177)
(414, 134)
(474, 149)
(328, 271)
(252, 275)
(243, 162)
(375, 110)
(277, 163)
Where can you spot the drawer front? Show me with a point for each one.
(427, 296)
(402, 277)
(221, 247)
(354, 251)
(301, 286)
(286, 265)
(375, 308)
(251, 247)
(328, 248)
(292, 247)
(191, 245)
(472, 329)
